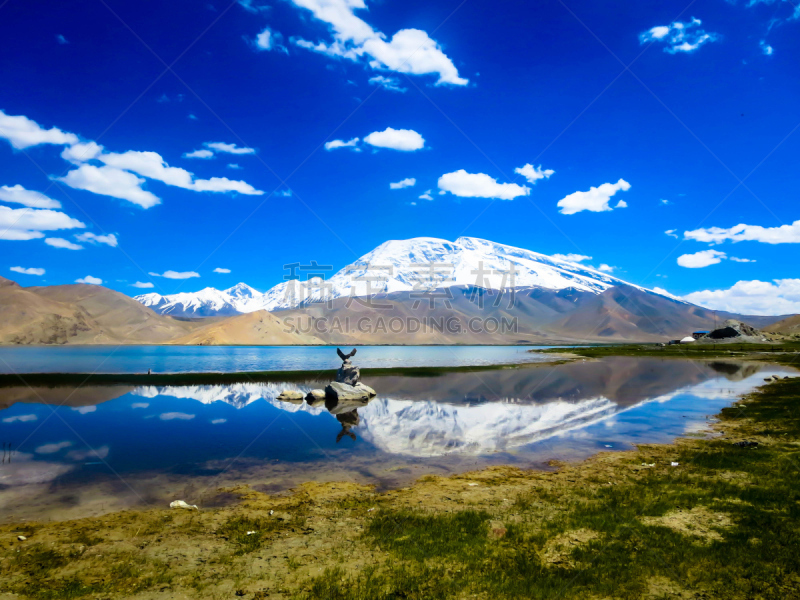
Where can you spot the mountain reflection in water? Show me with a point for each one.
(162, 439)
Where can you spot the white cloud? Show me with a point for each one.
(264, 40)
(218, 421)
(621, 204)
(405, 140)
(28, 271)
(109, 240)
(149, 164)
(785, 234)
(766, 48)
(664, 201)
(219, 270)
(29, 223)
(234, 166)
(90, 280)
(62, 243)
(704, 258)
(93, 453)
(679, 37)
(140, 405)
(403, 183)
(228, 148)
(143, 285)
(335, 50)
(742, 260)
(19, 195)
(82, 152)
(534, 174)
(426, 196)
(112, 180)
(199, 154)
(479, 185)
(171, 416)
(606, 268)
(109, 181)
(573, 258)
(251, 7)
(52, 448)
(672, 233)
(334, 144)
(780, 297)
(413, 51)
(223, 184)
(409, 50)
(270, 40)
(388, 83)
(595, 200)
(22, 132)
(176, 274)
(20, 419)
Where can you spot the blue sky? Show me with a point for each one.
(506, 119)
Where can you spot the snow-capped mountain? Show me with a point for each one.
(417, 264)
(208, 302)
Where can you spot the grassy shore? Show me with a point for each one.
(723, 523)
(727, 350)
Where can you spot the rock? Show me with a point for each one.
(21, 538)
(292, 396)
(316, 397)
(746, 444)
(733, 329)
(182, 504)
(341, 391)
(365, 388)
(348, 373)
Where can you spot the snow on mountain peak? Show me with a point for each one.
(242, 290)
(416, 264)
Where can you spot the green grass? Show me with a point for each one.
(235, 530)
(125, 573)
(680, 350)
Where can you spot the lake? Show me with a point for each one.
(200, 359)
(79, 452)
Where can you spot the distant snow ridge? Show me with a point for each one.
(208, 302)
(417, 264)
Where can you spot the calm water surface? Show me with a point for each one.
(183, 359)
(76, 452)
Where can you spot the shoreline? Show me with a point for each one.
(222, 378)
(497, 532)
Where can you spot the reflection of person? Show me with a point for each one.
(348, 420)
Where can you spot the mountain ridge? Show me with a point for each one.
(416, 264)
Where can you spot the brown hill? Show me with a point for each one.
(257, 328)
(787, 326)
(80, 314)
